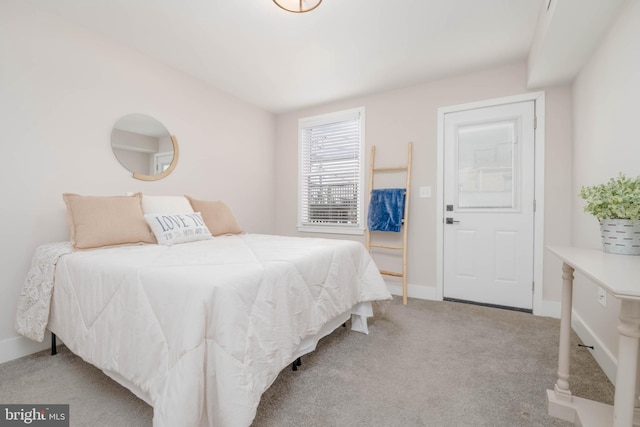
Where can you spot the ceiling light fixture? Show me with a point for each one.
(298, 6)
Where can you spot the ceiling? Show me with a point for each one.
(282, 61)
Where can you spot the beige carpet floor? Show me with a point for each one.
(425, 364)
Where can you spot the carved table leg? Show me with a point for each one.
(626, 376)
(562, 385)
(637, 395)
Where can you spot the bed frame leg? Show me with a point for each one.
(296, 363)
(54, 350)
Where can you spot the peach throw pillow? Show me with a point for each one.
(217, 216)
(97, 221)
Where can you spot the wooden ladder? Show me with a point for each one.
(405, 221)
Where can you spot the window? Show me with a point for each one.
(331, 174)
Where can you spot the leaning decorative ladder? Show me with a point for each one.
(405, 219)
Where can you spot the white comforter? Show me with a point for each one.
(200, 330)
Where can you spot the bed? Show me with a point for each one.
(200, 330)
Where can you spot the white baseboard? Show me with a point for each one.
(603, 356)
(414, 291)
(547, 309)
(544, 308)
(14, 348)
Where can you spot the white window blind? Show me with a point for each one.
(331, 172)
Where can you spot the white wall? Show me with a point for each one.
(61, 91)
(558, 161)
(606, 141)
(396, 117)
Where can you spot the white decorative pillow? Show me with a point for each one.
(166, 204)
(170, 229)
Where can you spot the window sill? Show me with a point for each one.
(331, 230)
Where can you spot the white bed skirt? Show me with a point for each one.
(359, 314)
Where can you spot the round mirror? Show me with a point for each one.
(144, 147)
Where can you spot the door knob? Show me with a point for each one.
(451, 221)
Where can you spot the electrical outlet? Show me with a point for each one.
(602, 296)
(425, 192)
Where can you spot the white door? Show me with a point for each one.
(489, 205)
(162, 161)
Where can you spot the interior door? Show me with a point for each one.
(489, 205)
(161, 162)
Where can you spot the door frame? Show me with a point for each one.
(538, 215)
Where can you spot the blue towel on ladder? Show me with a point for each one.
(386, 209)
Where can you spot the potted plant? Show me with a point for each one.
(616, 204)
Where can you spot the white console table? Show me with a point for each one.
(620, 276)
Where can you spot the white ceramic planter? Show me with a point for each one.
(620, 236)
